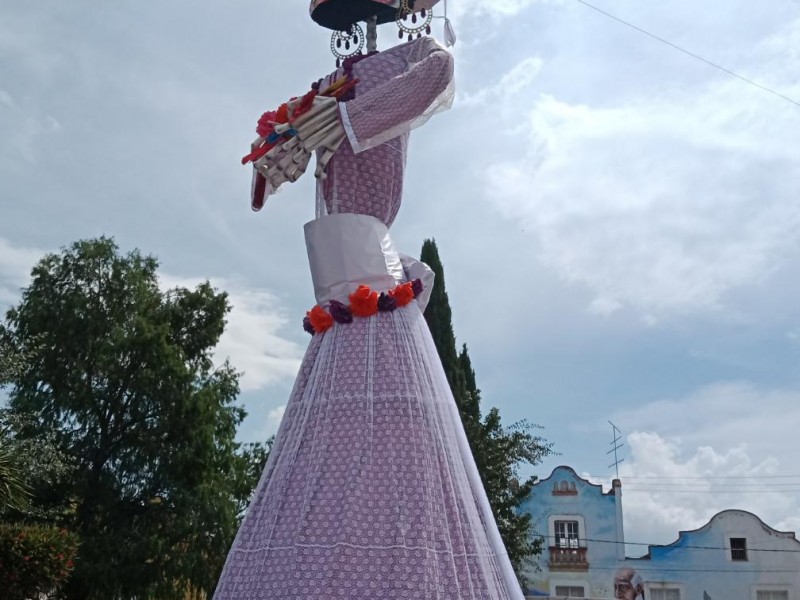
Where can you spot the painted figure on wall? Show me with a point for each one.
(628, 585)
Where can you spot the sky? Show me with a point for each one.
(618, 220)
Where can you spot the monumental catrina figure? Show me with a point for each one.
(370, 491)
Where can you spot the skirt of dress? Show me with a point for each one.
(370, 491)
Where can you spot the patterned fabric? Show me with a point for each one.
(370, 491)
(397, 90)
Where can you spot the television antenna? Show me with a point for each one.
(616, 442)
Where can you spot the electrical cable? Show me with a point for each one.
(682, 547)
(628, 562)
(670, 484)
(689, 53)
(659, 477)
(652, 490)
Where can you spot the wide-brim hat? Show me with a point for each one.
(339, 15)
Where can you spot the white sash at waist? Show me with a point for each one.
(346, 250)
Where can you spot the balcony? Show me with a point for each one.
(568, 559)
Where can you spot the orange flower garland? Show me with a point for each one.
(364, 302)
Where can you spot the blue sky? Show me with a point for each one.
(618, 221)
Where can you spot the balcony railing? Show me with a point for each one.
(568, 559)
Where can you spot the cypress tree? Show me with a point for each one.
(439, 317)
(499, 451)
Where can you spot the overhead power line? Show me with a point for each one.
(711, 491)
(670, 484)
(660, 477)
(599, 541)
(709, 477)
(689, 53)
(639, 567)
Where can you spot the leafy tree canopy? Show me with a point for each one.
(119, 372)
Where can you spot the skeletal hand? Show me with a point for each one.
(282, 164)
(318, 129)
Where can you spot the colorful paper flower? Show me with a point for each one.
(364, 302)
(266, 123)
(403, 293)
(386, 303)
(307, 326)
(319, 318)
(340, 313)
(282, 115)
(416, 285)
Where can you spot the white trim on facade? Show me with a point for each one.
(571, 583)
(649, 586)
(551, 528)
(771, 587)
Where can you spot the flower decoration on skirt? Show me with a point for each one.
(364, 302)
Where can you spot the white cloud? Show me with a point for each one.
(667, 200)
(274, 418)
(253, 341)
(16, 263)
(515, 81)
(495, 9)
(725, 415)
(6, 99)
(253, 338)
(716, 449)
(25, 131)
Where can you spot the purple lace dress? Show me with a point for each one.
(370, 491)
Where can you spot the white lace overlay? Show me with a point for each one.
(388, 96)
(370, 490)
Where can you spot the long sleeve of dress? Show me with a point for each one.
(403, 102)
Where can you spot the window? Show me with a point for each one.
(772, 595)
(567, 534)
(569, 591)
(564, 488)
(738, 548)
(665, 593)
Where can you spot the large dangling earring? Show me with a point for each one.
(345, 44)
(417, 25)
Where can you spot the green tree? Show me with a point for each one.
(122, 372)
(35, 559)
(14, 492)
(500, 452)
(10, 362)
(41, 463)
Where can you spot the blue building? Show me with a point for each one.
(735, 556)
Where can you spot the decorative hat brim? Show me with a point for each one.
(339, 15)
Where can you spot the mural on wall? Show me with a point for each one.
(628, 585)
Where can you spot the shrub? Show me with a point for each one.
(35, 560)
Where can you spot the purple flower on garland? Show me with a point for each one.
(340, 313)
(416, 287)
(307, 325)
(386, 303)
